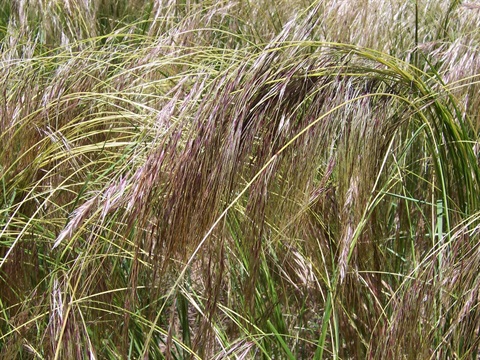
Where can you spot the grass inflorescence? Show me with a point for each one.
(239, 179)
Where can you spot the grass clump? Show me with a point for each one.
(239, 180)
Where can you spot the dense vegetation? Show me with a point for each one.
(240, 179)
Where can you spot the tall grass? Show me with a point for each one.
(236, 179)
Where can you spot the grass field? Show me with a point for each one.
(268, 179)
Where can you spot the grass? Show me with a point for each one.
(236, 179)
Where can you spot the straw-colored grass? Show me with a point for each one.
(239, 179)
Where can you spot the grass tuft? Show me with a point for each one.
(236, 179)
